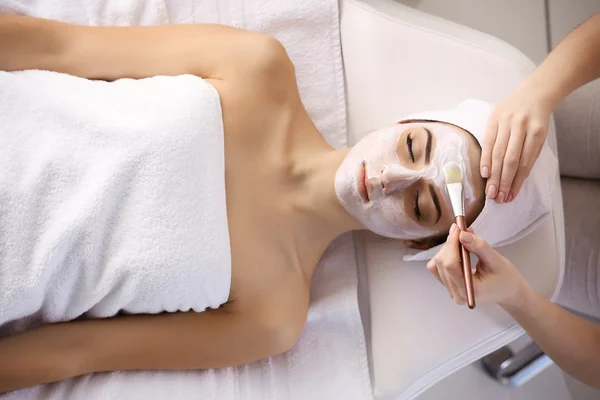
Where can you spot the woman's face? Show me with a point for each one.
(392, 181)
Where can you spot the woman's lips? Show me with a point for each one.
(362, 183)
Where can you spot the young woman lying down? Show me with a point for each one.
(176, 222)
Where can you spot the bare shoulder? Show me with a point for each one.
(264, 80)
(266, 63)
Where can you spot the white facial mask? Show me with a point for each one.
(451, 148)
(385, 212)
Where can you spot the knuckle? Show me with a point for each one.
(519, 118)
(511, 161)
(488, 143)
(504, 118)
(439, 266)
(498, 151)
(452, 269)
(524, 164)
(482, 245)
(537, 130)
(492, 122)
(504, 186)
(505, 182)
(497, 156)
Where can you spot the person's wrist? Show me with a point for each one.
(521, 295)
(546, 94)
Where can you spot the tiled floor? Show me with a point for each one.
(524, 25)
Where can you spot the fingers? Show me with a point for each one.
(455, 292)
(482, 268)
(479, 289)
(432, 267)
(532, 148)
(488, 144)
(479, 247)
(511, 159)
(498, 153)
(444, 280)
(459, 293)
(517, 184)
(437, 272)
(446, 267)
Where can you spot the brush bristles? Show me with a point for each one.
(453, 174)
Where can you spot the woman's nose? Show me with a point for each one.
(397, 177)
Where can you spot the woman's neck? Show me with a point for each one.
(319, 217)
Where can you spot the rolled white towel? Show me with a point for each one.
(112, 197)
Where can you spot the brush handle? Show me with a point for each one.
(466, 265)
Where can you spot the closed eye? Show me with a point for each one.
(417, 210)
(409, 142)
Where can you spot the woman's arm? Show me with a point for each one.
(211, 339)
(110, 53)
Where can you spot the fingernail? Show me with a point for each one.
(500, 198)
(452, 228)
(491, 191)
(485, 172)
(509, 198)
(466, 237)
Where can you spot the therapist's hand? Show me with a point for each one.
(514, 137)
(497, 280)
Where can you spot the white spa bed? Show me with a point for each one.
(399, 61)
(396, 61)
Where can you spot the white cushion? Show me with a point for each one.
(399, 61)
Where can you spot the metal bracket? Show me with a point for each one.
(514, 370)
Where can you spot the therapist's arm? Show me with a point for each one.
(573, 63)
(570, 341)
(518, 127)
(573, 343)
(109, 53)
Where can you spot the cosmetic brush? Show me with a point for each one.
(454, 186)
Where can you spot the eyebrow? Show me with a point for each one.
(436, 202)
(428, 146)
